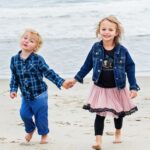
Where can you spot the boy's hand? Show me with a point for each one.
(133, 94)
(69, 83)
(13, 95)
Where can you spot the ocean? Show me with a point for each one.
(68, 30)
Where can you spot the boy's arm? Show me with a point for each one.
(13, 80)
(133, 94)
(50, 74)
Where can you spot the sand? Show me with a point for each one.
(71, 127)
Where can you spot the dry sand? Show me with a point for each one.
(71, 127)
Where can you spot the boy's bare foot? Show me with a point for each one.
(28, 137)
(44, 139)
(117, 137)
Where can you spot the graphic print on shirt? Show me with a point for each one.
(107, 63)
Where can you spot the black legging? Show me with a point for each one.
(99, 124)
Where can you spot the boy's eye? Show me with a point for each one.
(31, 41)
(25, 38)
(103, 29)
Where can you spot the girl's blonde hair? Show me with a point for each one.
(119, 27)
(38, 38)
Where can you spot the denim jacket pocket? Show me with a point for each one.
(96, 57)
(120, 63)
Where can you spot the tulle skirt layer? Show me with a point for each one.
(110, 101)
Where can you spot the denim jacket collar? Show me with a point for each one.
(117, 47)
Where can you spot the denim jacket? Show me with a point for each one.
(123, 65)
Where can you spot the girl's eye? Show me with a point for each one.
(103, 29)
(110, 29)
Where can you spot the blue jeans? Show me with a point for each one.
(37, 108)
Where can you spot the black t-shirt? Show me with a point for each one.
(106, 78)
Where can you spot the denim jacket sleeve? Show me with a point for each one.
(13, 80)
(86, 68)
(49, 73)
(130, 70)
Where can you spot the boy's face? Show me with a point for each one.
(29, 42)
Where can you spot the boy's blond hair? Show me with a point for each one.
(37, 35)
(119, 28)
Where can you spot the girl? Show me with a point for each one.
(111, 62)
(28, 69)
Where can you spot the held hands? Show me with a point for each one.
(69, 83)
(133, 94)
(13, 95)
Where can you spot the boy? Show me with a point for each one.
(28, 69)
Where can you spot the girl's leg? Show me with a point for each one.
(26, 115)
(99, 127)
(40, 108)
(118, 125)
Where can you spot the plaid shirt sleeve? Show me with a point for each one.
(13, 80)
(49, 73)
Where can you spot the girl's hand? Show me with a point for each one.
(69, 83)
(13, 95)
(133, 94)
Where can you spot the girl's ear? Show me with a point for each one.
(117, 33)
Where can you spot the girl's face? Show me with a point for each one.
(108, 31)
(29, 42)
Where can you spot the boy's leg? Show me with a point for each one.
(40, 108)
(99, 127)
(118, 125)
(26, 115)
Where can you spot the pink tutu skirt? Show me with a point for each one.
(110, 101)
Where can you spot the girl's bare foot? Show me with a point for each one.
(44, 139)
(97, 145)
(117, 137)
(28, 137)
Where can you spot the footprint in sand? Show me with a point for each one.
(63, 123)
(2, 138)
(26, 144)
(14, 141)
(109, 133)
(147, 98)
(20, 124)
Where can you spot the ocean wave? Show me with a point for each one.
(143, 35)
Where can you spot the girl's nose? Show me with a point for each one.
(106, 31)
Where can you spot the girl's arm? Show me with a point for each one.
(130, 69)
(85, 69)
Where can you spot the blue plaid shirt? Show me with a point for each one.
(27, 74)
